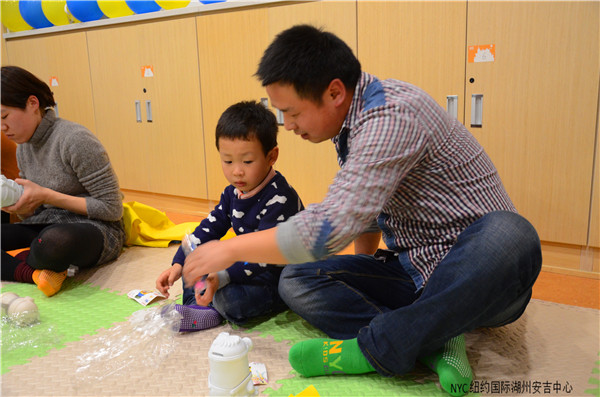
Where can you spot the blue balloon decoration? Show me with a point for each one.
(32, 13)
(212, 1)
(86, 10)
(142, 6)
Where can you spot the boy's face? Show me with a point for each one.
(313, 122)
(244, 163)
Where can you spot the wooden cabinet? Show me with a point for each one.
(63, 59)
(230, 45)
(540, 98)
(228, 59)
(160, 147)
(422, 43)
(594, 239)
(539, 93)
(308, 167)
(3, 53)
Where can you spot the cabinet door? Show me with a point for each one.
(156, 62)
(308, 167)
(422, 43)
(540, 97)
(594, 239)
(230, 45)
(62, 58)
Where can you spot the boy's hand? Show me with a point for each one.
(212, 284)
(167, 278)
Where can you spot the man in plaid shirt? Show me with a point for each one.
(459, 256)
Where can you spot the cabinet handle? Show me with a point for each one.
(279, 116)
(476, 110)
(56, 109)
(452, 105)
(148, 111)
(138, 112)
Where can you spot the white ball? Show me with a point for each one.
(23, 311)
(6, 299)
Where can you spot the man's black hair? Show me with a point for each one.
(308, 59)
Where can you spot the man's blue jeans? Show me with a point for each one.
(485, 280)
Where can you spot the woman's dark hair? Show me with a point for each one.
(246, 120)
(308, 59)
(18, 85)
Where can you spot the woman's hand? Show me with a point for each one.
(33, 196)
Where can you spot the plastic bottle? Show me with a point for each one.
(10, 191)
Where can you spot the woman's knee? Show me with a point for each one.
(60, 245)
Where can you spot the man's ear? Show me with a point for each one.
(336, 92)
(273, 155)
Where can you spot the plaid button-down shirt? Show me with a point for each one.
(408, 164)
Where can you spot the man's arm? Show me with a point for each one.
(210, 257)
(367, 243)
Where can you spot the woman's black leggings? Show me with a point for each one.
(53, 247)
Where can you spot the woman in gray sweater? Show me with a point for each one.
(71, 206)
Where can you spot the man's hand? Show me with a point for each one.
(207, 258)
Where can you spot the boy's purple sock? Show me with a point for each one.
(197, 318)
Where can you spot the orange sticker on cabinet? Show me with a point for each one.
(148, 71)
(53, 81)
(482, 53)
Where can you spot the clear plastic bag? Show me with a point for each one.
(148, 338)
(18, 334)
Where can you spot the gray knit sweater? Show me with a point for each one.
(68, 158)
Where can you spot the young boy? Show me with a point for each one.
(257, 198)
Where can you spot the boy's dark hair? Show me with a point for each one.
(18, 85)
(308, 59)
(246, 120)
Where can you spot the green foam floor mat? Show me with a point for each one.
(289, 327)
(77, 310)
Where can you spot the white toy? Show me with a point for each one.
(229, 369)
(23, 311)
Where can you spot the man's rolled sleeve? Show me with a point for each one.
(290, 244)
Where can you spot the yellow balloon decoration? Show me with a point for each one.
(171, 4)
(114, 8)
(54, 10)
(11, 16)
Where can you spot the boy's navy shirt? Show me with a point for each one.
(275, 203)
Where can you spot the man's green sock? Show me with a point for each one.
(317, 357)
(452, 366)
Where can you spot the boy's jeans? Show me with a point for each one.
(485, 280)
(239, 303)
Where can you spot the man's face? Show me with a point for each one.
(313, 122)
